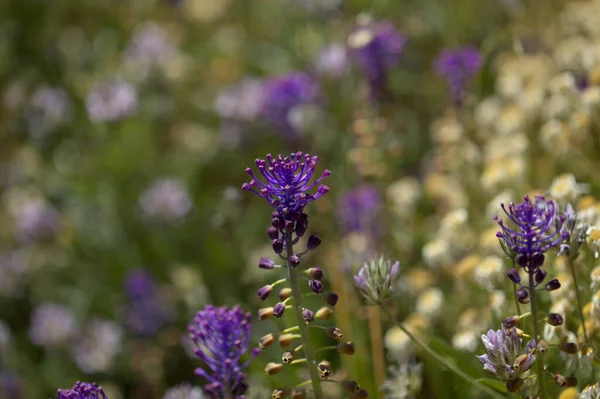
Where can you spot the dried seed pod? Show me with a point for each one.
(267, 341)
(515, 385)
(288, 356)
(280, 393)
(350, 386)
(334, 333)
(273, 368)
(324, 369)
(346, 348)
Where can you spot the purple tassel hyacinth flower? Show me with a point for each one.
(222, 337)
(506, 358)
(358, 211)
(283, 94)
(458, 67)
(287, 183)
(82, 390)
(376, 47)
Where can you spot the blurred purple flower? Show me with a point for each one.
(331, 61)
(95, 349)
(287, 182)
(240, 102)
(283, 95)
(13, 273)
(149, 46)
(184, 391)
(10, 385)
(504, 349)
(376, 47)
(51, 325)
(82, 390)
(48, 108)
(111, 101)
(165, 200)
(458, 67)
(37, 221)
(147, 312)
(222, 333)
(359, 209)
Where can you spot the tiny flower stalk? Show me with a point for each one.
(376, 281)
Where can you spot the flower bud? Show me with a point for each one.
(334, 333)
(266, 263)
(286, 340)
(313, 242)
(515, 385)
(553, 285)
(288, 356)
(315, 273)
(273, 368)
(324, 369)
(278, 246)
(273, 233)
(294, 260)
(522, 295)
(324, 313)
(329, 298)
(267, 341)
(350, 386)
(511, 321)
(521, 361)
(362, 393)
(308, 315)
(513, 275)
(555, 319)
(301, 228)
(316, 286)
(264, 292)
(376, 279)
(265, 313)
(540, 275)
(563, 381)
(277, 223)
(299, 394)
(285, 293)
(289, 226)
(568, 347)
(278, 309)
(346, 348)
(542, 347)
(280, 393)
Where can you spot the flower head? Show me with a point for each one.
(111, 101)
(505, 357)
(358, 210)
(376, 47)
(284, 94)
(166, 200)
(538, 226)
(82, 390)
(287, 182)
(376, 279)
(184, 391)
(591, 392)
(51, 325)
(222, 337)
(458, 66)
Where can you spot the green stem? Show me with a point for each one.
(442, 360)
(579, 306)
(534, 321)
(305, 337)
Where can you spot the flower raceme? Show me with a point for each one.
(457, 67)
(376, 279)
(222, 337)
(82, 390)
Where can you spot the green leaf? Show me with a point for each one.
(495, 384)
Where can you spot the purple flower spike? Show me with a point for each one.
(458, 67)
(376, 47)
(505, 357)
(359, 209)
(538, 226)
(283, 95)
(82, 390)
(222, 336)
(287, 183)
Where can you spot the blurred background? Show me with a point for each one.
(126, 126)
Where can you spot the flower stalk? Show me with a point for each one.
(541, 377)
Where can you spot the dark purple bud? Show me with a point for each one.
(278, 309)
(513, 275)
(308, 315)
(264, 292)
(278, 223)
(313, 242)
(568, 347)
(278, 246)
(289, 225)
(274, 214)
(511, 321)
(303, 218)
(554, 319)
(522, 296)
(537, 261)
(316, 286)
(540, 275)
(273, 233)
(301, 228)
(315, 273)
(294, 260)
(329, 298)
(553, 285)
(266, 263)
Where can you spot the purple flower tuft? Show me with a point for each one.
(82, 390)
(457, 67)
(222, 337)
(376, 47)
(505, 357)
(287, 182)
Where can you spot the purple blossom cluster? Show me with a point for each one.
(358, 210)
(506, 358)
(458, 67)
(82, 390)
